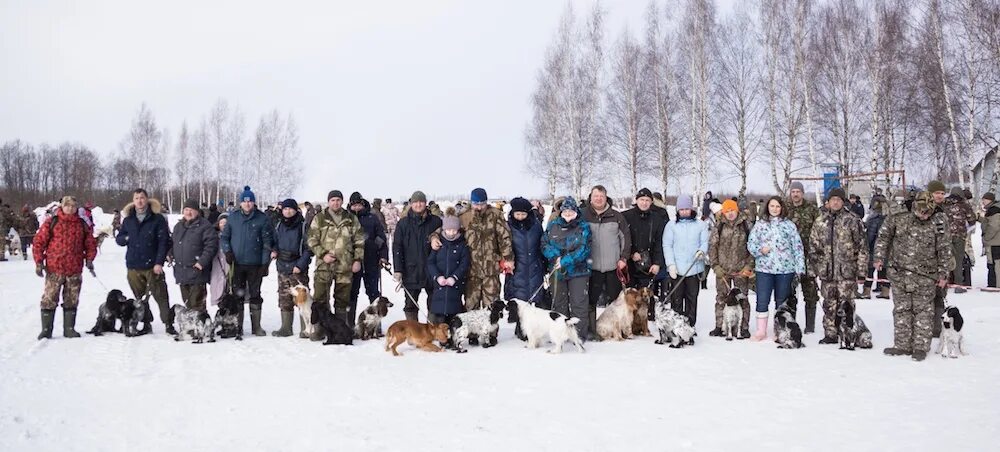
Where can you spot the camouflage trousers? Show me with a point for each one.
(723, 283)
(194, 295)
(810, 292)
(141, 281)
(285, 284)
(913, 314)
(341, 284)
(835, 293)
(69, 285)
(481, 292)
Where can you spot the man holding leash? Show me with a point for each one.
(145, 235)
(410, 249)
(337, 240)
(248, 243)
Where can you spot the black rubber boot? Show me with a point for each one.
(255, 328)
(592, 327)
(717, 332)
(48, 317)
(239, 320)
(919, 355)
(828, 340)
(893, 351)
(744, 334)
(302, 329)
(286, 325)
(810, 318)
(69, 322)
(169, 328)
(410, 315)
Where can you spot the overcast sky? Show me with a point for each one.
(389, 96)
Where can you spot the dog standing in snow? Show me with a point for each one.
(673, 327)
(616, 321)
(732, 314)
(369, 325)
(304, 302)
(109, 313)
(787, 332)
(135, 312)
(851, 330)
(640, 321)
(952, 343)
(536, 323)
(193, 324)
(480, 325)
(419, 335)
(227, 317)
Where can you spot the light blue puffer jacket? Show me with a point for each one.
(682, 239)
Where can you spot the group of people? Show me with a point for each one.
(578, 259)
(24, 225)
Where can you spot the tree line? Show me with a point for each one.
(209, 162)
(790, 85)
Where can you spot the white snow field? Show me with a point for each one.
(268, 394)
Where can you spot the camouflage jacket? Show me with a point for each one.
(909, 246)
(727, 244)
(488, 236)
(838, 247)
(7, 220)
(341, 236)
(27, 225)
(960, 216)
(804, 217)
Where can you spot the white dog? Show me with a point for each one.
(674, 328)
(952, 343)
(536, 323)
(616, 321)
(304, 302)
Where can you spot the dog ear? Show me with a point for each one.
(959, 321)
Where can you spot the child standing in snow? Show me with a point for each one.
(447, 268)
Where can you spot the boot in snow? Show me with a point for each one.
(761, 332)
(810, 318)
(302, 329)
(169, 328)
(893, 351)
(717, 332)
(866, 293)
(48, 317)
(286, 325)
(828, 340)
(255, 328)
(410, 315)
(884, 294)
(592, 326)
(239, 321)
(919, 355)
(744, 334)
(69, 321)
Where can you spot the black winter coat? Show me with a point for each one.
(196, 242)
(451, 261)
(529, 262)
(376, 245)
(290, 243)
(647, 235)
(148, 242)
(411, 246)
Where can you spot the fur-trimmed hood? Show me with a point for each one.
(154, 207)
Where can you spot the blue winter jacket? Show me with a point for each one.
(453, 260)
(570, 242)
(682, 239)
(290, 243)
(249, 237)
(529, 263)
(147, 242)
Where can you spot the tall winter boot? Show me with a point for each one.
(69, 322)
(810, 318)
(592, 326)
(936, 323)
(884, 294)
(239, 321)
(286, 325)
(48, 317)
(302, 329)
(866, 293)
(761, 332)
(255, 328)
(410, 315)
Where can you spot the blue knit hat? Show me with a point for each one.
(247, 195)
(478, 195)
(569, 203)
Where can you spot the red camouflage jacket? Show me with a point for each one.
(63, 250)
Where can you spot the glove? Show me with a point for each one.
(230, 257)
(40, 270)
(700, 255)
(90, 266)
(673, 271)
(397, 277)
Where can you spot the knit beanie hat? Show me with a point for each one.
(191, 204)
(837, 192)
(730, 206)
(520, 204)
(355, 198)
(569, 203)
(797, 186)
(289, 204)
(684, 202)
(418, 196)
(334, 194)
(990, 196)
(644, 192)
(935, 186)
(478, 196)
(248, 195)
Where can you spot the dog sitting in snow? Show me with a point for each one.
(732, 314)
(640, 321)
(615, 323)
(673, 327)
(334, 328)
(477, 324)
(193, 324)
(419, 335)
(135, 312)
(109, 313)
(227, 317)
(369, 324)
(536, 323)
(304, 302)
(952, 343)
(787, 332)
(851, 330)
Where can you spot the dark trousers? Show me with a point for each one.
(246, 282)
(685, 298)
(877, 275)
(194, 295)
(991, 262)
(414, 289)
(371, 277)
(606, 284)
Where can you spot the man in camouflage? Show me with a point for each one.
(27, 226)
(960, 217)
(337, 240)
(7, 221)
(731, 262)
(838, 255)
(488, 237)
(916, 249)
(936, 189)
(804, 214)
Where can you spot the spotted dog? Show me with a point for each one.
(193, 324)
(537, 323)
(952, 343)
(787, 332)
(732, 314)
(136, 312)
(476, 324)
(110, 313)
(227, 318)
(673, 327)
(369, 324)
(851, 330)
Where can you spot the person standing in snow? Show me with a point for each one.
(195, 245)
(410, 248)
(611, 246)
(220, 268)
(248, 242)
(778, 256)
(27, 226)
(391, 214)
(990, 225)
(447, 268)
(731, 261)
(146, 236)
(376, 211)
(803, 214)
(338, 242)
(63, 245)
(872, 226)
(376, 254)
(960, 217)
(292, 263)
(529, 269)
(567, 246)
(646, 229)
(685, 248)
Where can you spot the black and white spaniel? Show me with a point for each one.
(537, 323)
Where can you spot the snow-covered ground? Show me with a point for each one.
(269, 394)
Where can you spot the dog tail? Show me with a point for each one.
(572, 321)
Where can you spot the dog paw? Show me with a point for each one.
(461, 350)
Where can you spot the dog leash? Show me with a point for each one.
(412, 298)
(679, 280)
(545, 284)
